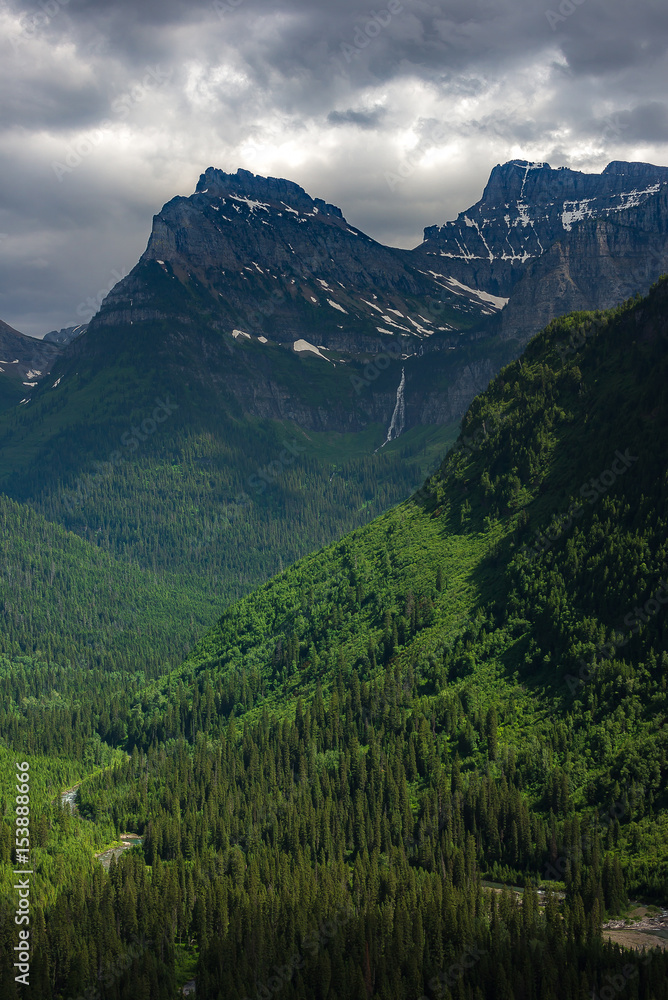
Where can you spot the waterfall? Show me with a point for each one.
(399, 416)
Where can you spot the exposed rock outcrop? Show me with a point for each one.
(527, 207)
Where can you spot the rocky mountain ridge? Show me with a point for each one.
(525, 208)
(250, 274)
(599, 264)
(66, 335)
(25, 360)
(271, 262)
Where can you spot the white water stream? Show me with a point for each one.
(399, 415)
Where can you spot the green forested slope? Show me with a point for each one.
(166, 475)
(527, 575)
(152, 552)
(472, 685)
(80, 630)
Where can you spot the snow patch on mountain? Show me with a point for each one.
(373, 306)
(391, 322)
(498, 301)
(631, 199)
(576, 211)
(420, 329)
(303, 346)
(335, 305)
(253, 205)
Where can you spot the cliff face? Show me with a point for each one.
(525, 208)
(269, 260)
(596, 266)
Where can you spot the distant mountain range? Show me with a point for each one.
(473, 686)
(275, 261)
(66, 335)
(258, 308)
(266, 260)
(266, 317)
(24, 361)
(258, 260)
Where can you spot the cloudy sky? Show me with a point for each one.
(112, 107)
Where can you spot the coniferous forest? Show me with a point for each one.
(429, 760)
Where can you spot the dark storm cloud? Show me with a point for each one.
(451, 34)
(649, 122)
(111, 108)
(363, 119)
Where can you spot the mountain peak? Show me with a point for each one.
(274, 190)
(277, 266)
(633, 168)
(524, 165)
(508, 180)
(527, 206)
